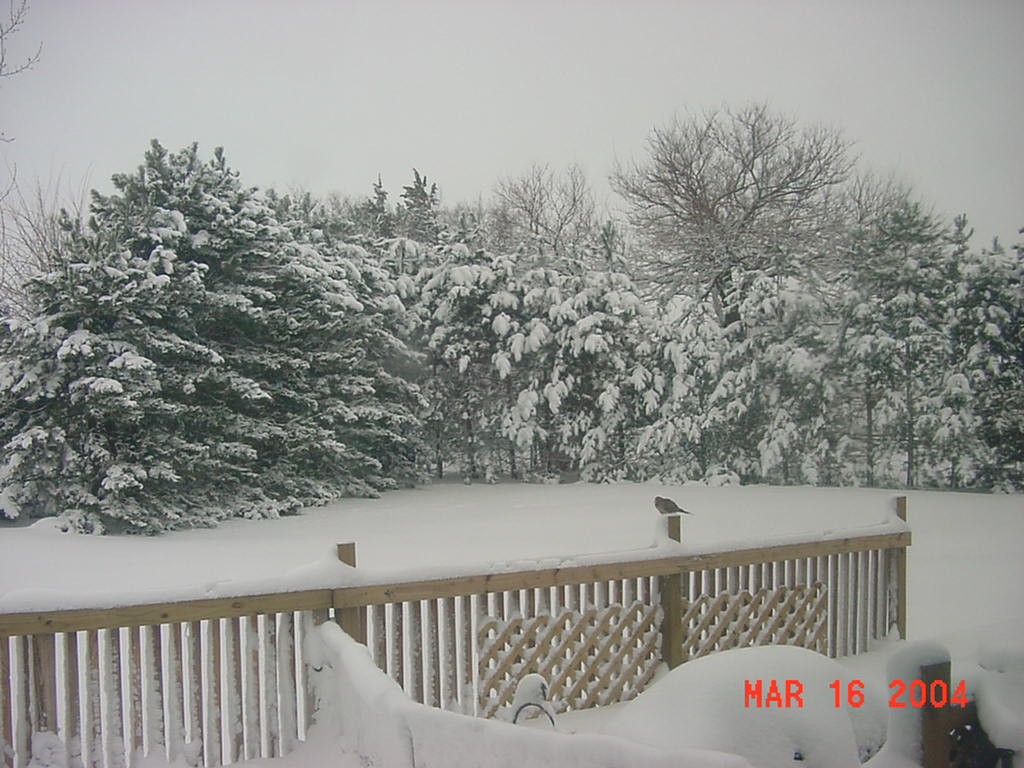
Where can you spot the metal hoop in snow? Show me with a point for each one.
(515, 717)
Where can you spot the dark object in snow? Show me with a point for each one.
(668, 507)
(532, 691)
(971, 747)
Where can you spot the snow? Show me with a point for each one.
(703, 704)
(378, 722)
(965, 546)
(441, 530)
(903, 735)
(1000, 691)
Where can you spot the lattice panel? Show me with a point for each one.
(781, 616)
(593, 657)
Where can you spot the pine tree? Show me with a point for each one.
(197, 359)
(988, 335)
(899, 347)
(96, 421)
(418, 211)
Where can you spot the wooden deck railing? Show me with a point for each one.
(221, 680)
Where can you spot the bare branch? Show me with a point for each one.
(556, 212)
(33, 241)
(17, 11)
(723, 189)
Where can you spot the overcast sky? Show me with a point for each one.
(326, 95)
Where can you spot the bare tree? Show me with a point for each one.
(730, 188)
(9, 26)
(35, 233)
(554, 211)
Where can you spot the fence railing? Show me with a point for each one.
(221, 680)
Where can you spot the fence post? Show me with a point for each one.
(671, 589)
(350, 619)
(901, 574)
(935, 726)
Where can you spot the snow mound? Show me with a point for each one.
(1002, 657)
(903, 744)
(378, 722)
(1000, 695)
(704, 704)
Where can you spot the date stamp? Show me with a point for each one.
(783, 694)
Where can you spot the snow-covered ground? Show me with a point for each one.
(966, 567)
(434, 530)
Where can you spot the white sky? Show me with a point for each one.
(327, 94)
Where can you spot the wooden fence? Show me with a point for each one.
(217, 681)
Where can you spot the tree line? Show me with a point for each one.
(187, 348)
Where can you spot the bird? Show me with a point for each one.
(668, 507)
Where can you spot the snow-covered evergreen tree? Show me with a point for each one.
(988, 337)
(196, 359)
(900, 354)
(417, 216)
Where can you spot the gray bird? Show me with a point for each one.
(668, 507)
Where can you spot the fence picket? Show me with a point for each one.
(6, 708)
(467, 669)
(149, 691)
(172, 683)
(225, 681)
(66, 659)
(249, 688)
(267, 696)
(396, 654)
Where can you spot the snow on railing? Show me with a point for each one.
(219, 680)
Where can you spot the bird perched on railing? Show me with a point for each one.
(668, 507)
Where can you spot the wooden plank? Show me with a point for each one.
(900, 556)
(881, 586)
(248, 664)
(378, 620)
(935, 739)
(268, 685)
(44, 678)
(833, 606)
(127, 660)
(432, 655)
(303, 622)
(67, 713)
(88, 661)
(6, 710)
(209, 658)
(396, 653)
(21, 697)
(576, 575)
(35, 623)
(671, 590)
(192, 681)
(415, 640)
(150, 693)
(450, 655)
(172, 684)
(287, 690)
(30, 623)
(863, 600)
(843, 607)
(110, 719)
(135, 673)
(231, 664)
(467, 667)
